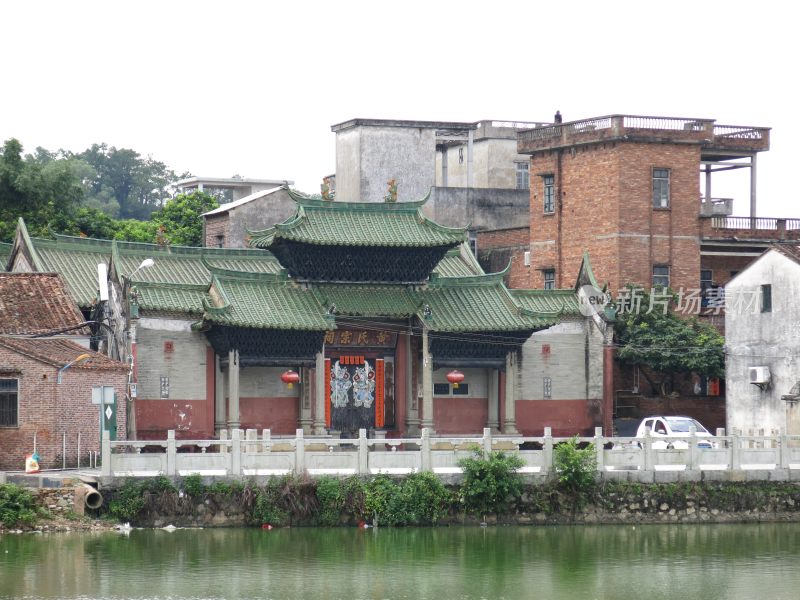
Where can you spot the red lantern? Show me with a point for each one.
(455, 377)
(290, 377)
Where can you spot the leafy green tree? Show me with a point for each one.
(666, 344)
(125, 184)
(181, 218)
(37, 187)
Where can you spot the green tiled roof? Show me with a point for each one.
(564, 302)
(458, 262)
(172, 297)
(329, 223)
(264, 301)
(480, 303)
(76, 259)
(184, 265)
(369, 300)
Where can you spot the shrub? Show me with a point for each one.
(128, 501)
(17, 505)
(331, 501)
(576, 469)
(380, 502)
(425, 499)
(491, 482)
(193, 485)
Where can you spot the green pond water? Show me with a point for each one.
(581, 562)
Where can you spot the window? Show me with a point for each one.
(523, 179)
(461, 390)
(660, 276)
(706, 284)
(548, 388)
(549, 279)
(8, 402)
(660, 188)
(549, 203)
(441, 389)
(766, 298)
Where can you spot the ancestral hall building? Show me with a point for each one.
(371, 304)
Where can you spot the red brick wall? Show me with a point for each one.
(495, 249)
(215, 226)
(48, 410)
(605, 192)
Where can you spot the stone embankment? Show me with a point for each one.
(609, 504)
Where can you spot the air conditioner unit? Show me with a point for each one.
(759, 375)
(526, 258)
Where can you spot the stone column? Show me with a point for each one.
(319, 395)
(427, 383)
(412, 412)
(307, 381)
(510, 420)
(219, 397)
(493, 383)
(233, 389)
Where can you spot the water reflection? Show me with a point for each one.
(654, 561)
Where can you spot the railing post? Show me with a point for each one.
(266, 440)
(105, 457)
(694, 459)
(425, 448)
(363, 452)
(736, 460)
(236, 452)
(250, 435)
(223, 437)
(547, 465)
(598, 448)
(649, 458)
(487, 441)
(784, 450)
(172, 450)
(299, 453)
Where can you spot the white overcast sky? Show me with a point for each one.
(252, 88)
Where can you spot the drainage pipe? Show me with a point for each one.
(87, 497)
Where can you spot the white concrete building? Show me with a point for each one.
(762, 327)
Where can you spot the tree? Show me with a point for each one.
(37, 187)
(182, 219)
(125, 184)
(667, 344)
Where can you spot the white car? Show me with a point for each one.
(662, 428)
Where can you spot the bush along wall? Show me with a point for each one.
(491, 490)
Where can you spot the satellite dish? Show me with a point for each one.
(102, 281)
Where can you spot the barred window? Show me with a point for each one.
(549, 203)
(9, 395)
(549, 279)
(660, 188)
(660, 276)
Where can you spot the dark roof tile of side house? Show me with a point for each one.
(33, 303)
(335, 223)
(60, 353)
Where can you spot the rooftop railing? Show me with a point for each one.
(616, 126)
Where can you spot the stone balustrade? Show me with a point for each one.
(246, 454)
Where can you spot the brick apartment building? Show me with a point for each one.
(628, 190)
